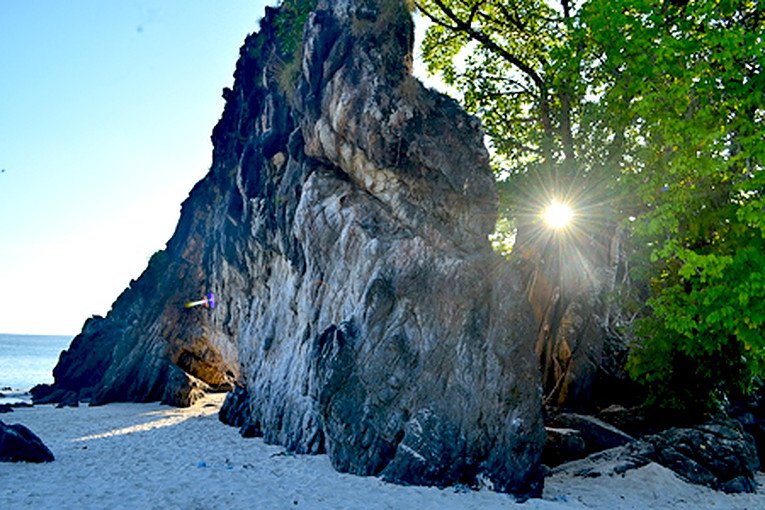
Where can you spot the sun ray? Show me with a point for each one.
(557, 215)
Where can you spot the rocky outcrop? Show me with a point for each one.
(563, 445)
(19, 444)
(597, 435)
(718, 454)
(149, 347)
(343, 230)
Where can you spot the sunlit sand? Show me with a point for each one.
(154, 456)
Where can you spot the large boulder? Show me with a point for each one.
(343, 230)
(597, 435)
(563, 445)
(573, 436)
(718, 454)
(385, 330)
(19, 444)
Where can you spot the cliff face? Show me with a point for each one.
(343, 229)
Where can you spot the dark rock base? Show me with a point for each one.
(19, 444)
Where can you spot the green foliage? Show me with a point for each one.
(660, 106)
(508, 61)
(705, 332)
(522, 68)
(690, 84)
(289, 35)
(289, 25)
(503, 238)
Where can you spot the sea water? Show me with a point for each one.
(27, 360)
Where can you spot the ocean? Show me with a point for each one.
(27, 360)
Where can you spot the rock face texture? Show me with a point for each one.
(343, 229)
(19, 444)
(718, 454)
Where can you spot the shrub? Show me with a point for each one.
(289, 26)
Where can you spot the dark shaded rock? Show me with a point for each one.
(19, 444)
(754, 425)
(631, 420)
(614, 461)
(750, 413)
(236, 412)
(105, 365)
(234, 408)
(41, 391)
(717, 454)
(563, 445)
(69, 399)
(6, 408)
(597, 434)
(48, 394)
(343, 227)
(739, 484)
(183, 389)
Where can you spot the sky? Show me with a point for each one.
(106, 111)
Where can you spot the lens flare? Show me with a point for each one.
(557, 215)
(208, 302)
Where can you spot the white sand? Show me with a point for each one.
(153, 456)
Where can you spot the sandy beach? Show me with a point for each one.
(153, 456)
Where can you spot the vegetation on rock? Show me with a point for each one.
(289, 35)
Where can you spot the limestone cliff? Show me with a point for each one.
(343, 227)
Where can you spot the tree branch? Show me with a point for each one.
(466, 27)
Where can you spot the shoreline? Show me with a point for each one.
(14, 396)
(126, 455)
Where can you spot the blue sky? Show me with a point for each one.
(106, 110)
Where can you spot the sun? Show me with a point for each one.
(557, 215)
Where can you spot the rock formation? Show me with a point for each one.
(718, 454)
(19, 444)
(343, 229)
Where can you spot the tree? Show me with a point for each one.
(518, 66)
(647, 113)
(693, 76)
